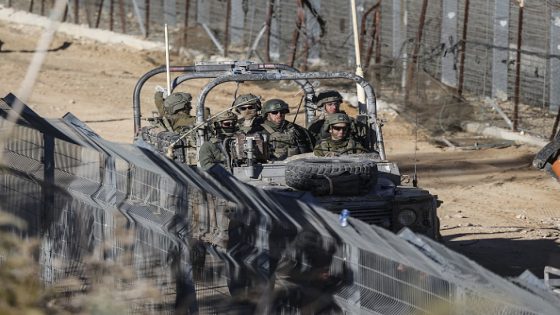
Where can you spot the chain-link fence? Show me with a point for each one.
(437, 57)
(159, 238)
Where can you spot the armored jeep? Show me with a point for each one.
(367, 184)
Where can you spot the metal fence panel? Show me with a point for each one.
(194, 237)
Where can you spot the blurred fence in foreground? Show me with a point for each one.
(167, 238)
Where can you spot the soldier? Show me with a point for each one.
(247, 107)
(175, 110)
(285, 138)
(340, 141)
(215, 150)
(328, 102)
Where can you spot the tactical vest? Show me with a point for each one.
(254, 126)
(181, 121)
(328, 147)
(282, 141)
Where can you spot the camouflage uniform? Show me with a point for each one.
(347, 145)
(318, 128)
(175, 111)
(330, 147)
(286, 139)
(215, 150)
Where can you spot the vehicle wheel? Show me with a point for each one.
(331, 176)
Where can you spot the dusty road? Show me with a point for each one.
(497, 210)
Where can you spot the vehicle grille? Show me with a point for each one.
(374, 214)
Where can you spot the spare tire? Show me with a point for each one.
(331, 176)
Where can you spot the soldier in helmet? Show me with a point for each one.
(328, 102)
(175, 110)
(285, 138)
(340, 140)
(215, 151)
(247, 107)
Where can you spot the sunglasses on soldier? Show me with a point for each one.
(227, 123)
(276, 112)
(246, 107)
(339, 128)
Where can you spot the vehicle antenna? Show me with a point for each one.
(298, 108)
(167, 61)
(414, 176)
(236, 90)
(359, 69)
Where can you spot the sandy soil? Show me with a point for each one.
(497, 210)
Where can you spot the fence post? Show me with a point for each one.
(187, 5)
(377, 37)
(226, 28)
(295, 34)
(518, 67)
(500, 50)
(111, 14)
(147, 18)
(450, 43)
(122, 15)
(364, 32)
(99, 10)
(77, 11)
(269, 12)
(65, 12)
(412, 64)
(554, 63)
(463, 48)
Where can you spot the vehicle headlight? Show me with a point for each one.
(406, 217)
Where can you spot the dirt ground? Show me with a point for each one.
(497, 209)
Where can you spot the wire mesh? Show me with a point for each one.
(175, 239)
(325, 41)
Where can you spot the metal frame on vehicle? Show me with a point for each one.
(247, 71)
(387, 203)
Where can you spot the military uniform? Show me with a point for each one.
(286, 140)
(248, 121)
(181, 121)
(174, 111)
(330, 147)
(213, 152)
(250, 126)
(319, 130)
(340, 140)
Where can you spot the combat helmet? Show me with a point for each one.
(328, 96)
(219, 128)
(274, 105)
(228, 115)
(247, 99)
(337, 118)
(176, 102)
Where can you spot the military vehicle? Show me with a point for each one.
(368, 185)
